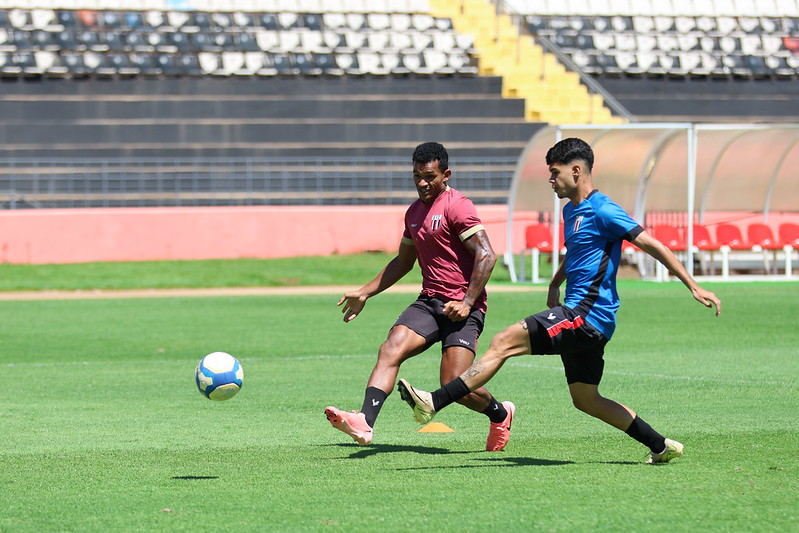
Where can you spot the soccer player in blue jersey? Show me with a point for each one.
(578, 328)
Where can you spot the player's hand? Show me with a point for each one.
(553, 297)
(353, 305)
(707, 298)
(457, 310)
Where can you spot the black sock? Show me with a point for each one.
(643, 433)
(449, 393)
(495, 411)
(372, 403)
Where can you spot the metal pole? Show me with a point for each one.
(692, 147)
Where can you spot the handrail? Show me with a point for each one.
(549, 46)
(586, 78)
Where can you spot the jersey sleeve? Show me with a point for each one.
(616, 223)
(406, 233)
(463, 218)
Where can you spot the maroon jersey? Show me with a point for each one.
(437, 231)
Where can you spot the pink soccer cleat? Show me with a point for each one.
(498, 434)
(352, 423)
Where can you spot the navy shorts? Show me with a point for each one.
(581, 347)
(426, 317)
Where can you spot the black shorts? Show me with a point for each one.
(426, 317)
(563, 331)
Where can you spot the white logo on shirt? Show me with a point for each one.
(435, 222)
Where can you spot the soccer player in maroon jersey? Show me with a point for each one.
(444, 233)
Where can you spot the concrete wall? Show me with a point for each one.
(144, 234)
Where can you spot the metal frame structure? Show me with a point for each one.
(759, 138)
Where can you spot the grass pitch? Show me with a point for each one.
(104, 430)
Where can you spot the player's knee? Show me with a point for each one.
(586, 404)
(501, 346)
(390, 353)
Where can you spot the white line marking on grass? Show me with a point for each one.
(665, 376)
(372, 356)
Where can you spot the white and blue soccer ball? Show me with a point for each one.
(219, 376)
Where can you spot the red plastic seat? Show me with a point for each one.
(628, 247)
(538, 237)
(730, 236)
(702, 240)
(538, 240)
(760, 234)
(789, 234)
(670, 236)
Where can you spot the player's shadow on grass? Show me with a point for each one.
(375, 449)
(493, 462)
(194, 477)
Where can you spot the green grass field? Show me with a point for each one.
(102, 428)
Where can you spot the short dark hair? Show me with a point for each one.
(432, 151)
(571, 149)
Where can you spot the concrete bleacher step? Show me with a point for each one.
(159, 117)
(320, 107)
(502, 51)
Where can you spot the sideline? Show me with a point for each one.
(99, 294)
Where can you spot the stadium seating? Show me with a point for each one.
(670, 236)
(674, 45)
(664, 61)
(762, 239)
(759, 242)
(705, 247)
(107, 43)
(538, 240)
(789, 234)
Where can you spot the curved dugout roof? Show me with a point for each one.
(671, 167)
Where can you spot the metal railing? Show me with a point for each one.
(150, 182)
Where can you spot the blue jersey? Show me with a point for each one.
(593, 231)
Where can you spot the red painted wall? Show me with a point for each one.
(143, 234)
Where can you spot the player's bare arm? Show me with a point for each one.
(553, 293)
(354, 301)
(660, 252)
(484, 260)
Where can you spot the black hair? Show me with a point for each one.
(432, 151)
(571, 149)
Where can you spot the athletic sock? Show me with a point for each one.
(495, 411)
(372, 403)
(449, 393)
(643, 433)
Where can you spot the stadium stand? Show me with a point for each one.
(332, 91)
(311, 85)
(678, 60)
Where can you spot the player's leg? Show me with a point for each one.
(583, 373)
(413, 331)
(511, 342)
(401, 344)
(454, 361)
(458, 346)
(586, 398)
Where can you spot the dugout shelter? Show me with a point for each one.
(688, 168)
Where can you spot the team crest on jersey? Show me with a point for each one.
(435, 222)
(577, 222)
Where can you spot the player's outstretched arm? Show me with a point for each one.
(659, 251)
(354, 301)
